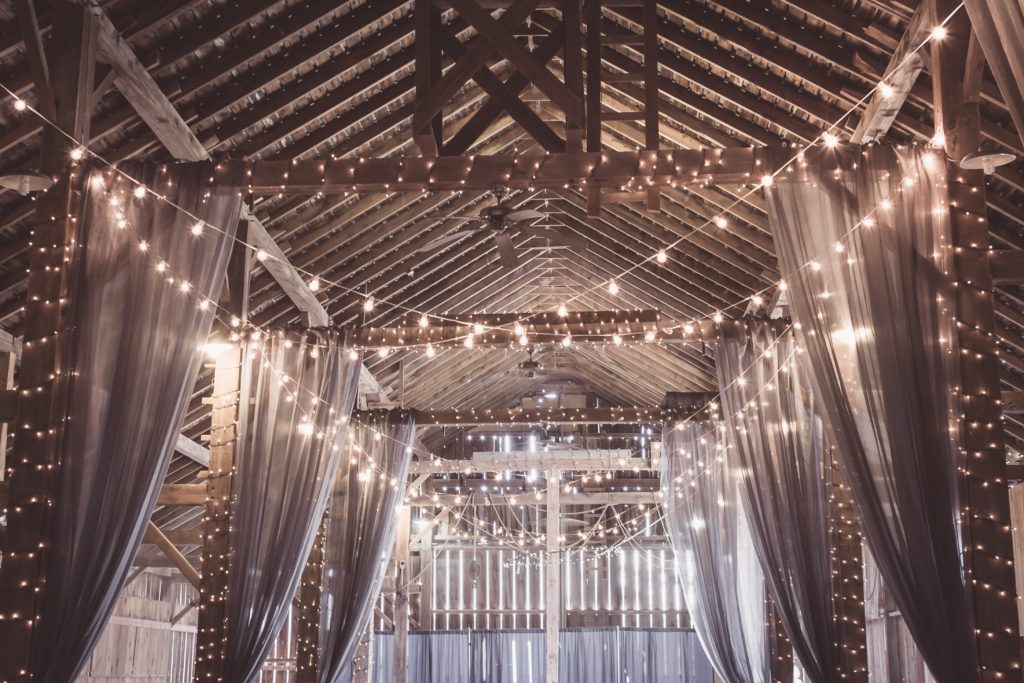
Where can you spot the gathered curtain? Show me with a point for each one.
(863, 236)
(131, 355)
(779, 441)
(723, 585)
(302, 387)
(360, 530)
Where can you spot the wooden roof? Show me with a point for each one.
(266, 79)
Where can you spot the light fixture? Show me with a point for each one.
(886, 90)
(613, 287)
(939, 32)
(26, 182)
(261, 255)
(562, 311)
(314, 284)
(197, 229)
(368, 304)
(830, 140)
(986, 160)
(720, 221)
(214, 349)
(662, 256)
(424, 320)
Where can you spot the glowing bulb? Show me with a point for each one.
(19, 105)
(523, 340)
(938, 33)
(717, 317)
(468, 343)
(830, 140)
(885, 205)
(139, 191)
(77, 153)
(368, 304)
(886, 90)
(938, 140)
(757, 299)
(383, 351)
(478, 328)
(869, 222)
(783, 286)
(261, 255)
(197, 229)
(720, 221)
(184, 287)
(617, 340)
(662, 256)
(161, 267)
(562, 311)
(214, 349)
(567, 341)
(649, 336)
(424, 321)
(519, 330)
(430, 351)
(815, 266)
(122, 224)
(314, 284)
(767, 181)
(688, 328)
(353, 355)
(613, 287)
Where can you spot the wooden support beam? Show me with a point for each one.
(29, 24)
(143, 93)
(552, 577)
(1006, 266)
(738, 165)
(583, 460)
(183, 494)
(154, 535)
(401, 609)
(466, 417)
(900, 75)
(428, 70)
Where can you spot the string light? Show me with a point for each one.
(613, 287)
(368, 304)
(562, 311)
(662, 256)
(314, 284)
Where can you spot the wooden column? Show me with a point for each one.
(308, 648)
(8, 361)
(846, 556)
(227, 376)
(552, 578)
(985, 505)
(33, 468)
(401, 613)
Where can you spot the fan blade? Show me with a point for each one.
(444, 241)
(556, 237)
(523, 215)
(506, 250)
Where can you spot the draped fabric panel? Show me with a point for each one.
(383, 670)
(723, 585)
(360, 530)
(878, 323)
(662, 656)
(439, 657)
(133, 352)
(289, 445)
(507, 656)
(588, 655)
(779, 441)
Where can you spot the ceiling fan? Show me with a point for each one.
(502, 220)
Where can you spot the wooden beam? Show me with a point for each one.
(183, 494)
(428, 70)
(1006, 266)
(900, 75)
(739, 165)
(145, 96)
(154, 535)
(29, 24)
(581, 460)
(509, 416)
(192, 450)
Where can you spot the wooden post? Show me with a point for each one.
(228, 414)
(846, 556)
(308, 649)
(552, 578)
(33, 469)
(401, 614)
(8, 361)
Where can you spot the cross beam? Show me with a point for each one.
(512, 416)
(637, 170)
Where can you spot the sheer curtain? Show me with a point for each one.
(507, 656)
(439, 657)
(588, 655)
(878, 323)
(302, 388)
(133, 349)
(779, 441)
(722, 582)
(662, 656)
(360, 530)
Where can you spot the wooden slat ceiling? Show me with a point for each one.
(267, 79)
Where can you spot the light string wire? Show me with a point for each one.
(826, 136)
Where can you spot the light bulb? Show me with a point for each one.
(717, 317)
(886, 90)
(314, 284)
(613, 287)
(368, 303)
(77, 153)
(478, 328)
(383, 351)
(688, 328)
(567, 341)
(261, 255)
(757, 300)
(523, 340)
(19, 105)
(353, 355)
(649, 336)
(519, 330)
(767, 181)
(139, 191)
(939, 32)
(662, 256)
(830, 140)
(424, 320)
(617, 340)
(430, 351)
(468, 343)
(197, 229)
(562, 311)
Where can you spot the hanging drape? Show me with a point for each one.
(438, 657)
(999, 25)
(383, 661)
(360, 530)
(878, 324)
(131, 353)
(662, 656)
(779, 441)
(722, 582)
(589, 655)
(507, 656)
(302, 387)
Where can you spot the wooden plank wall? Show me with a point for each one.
(140, 642)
